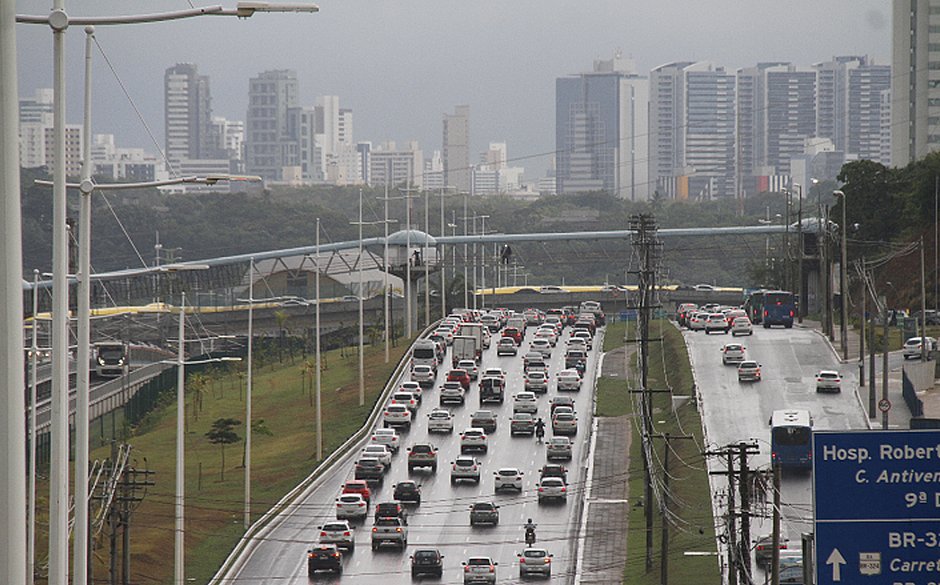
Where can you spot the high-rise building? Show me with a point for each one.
(915, 94)
(272, 124)
(37, 109)
(189, 130)
(389, 165)
(434, 172)
(692, 130)
(456, 145)
(601, 127)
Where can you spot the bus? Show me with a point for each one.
(791, 439)
(754, 305)
(110, 358)
(779, 308)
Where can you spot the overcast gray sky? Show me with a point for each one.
(401, 65)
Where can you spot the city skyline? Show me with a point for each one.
(496, 59)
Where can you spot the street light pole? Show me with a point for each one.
(385, 292)
(34, 382)
(248, 387)
(317, 313)
(843, 326)
(426, 259)
(799, 246)
(178, 552)
(362, 367)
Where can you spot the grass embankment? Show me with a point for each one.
(283, 453)
(689, 497)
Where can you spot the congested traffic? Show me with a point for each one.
(478, 380)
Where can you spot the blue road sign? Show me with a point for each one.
(877, 507)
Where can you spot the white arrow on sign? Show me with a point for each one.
(836, 560)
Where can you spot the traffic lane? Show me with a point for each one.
(443, 518)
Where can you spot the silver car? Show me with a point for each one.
(440, 421)
(552, 488)
(535, 561)
(338, 533)
(558, 448)
(465, 468)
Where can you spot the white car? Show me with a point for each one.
(508, 478)
(558, 448)
(405, 399)
(578, 343)
(525, 402)
(585, 335)
(470, 366)
(473, 439)
(338, 533)
(912, 347)
(568, 380)
(506, 346)
(412, 387)
(440, 421)
(716, 322)
(732, 353)
(423, 375)
(387, 437)
(493, 373)
(479, 570)
(541, 345)
(447, 333)
(536, 381)
(828, 381)
(552, 488)
(452, 392)
(380, 452)
(547, 334)
(741, 326)
(464, 468)
(352, 507)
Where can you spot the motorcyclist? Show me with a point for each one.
(539, 430)
(530, 532)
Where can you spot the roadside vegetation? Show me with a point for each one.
(691, 526)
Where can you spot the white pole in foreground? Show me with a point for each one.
(59, 431)
(427, 260)
(12, 403)
(362, 381)
(439, 249)
(80, 539)
(178, 554)
(385, 276)
(319, 415)
(251, 314)
(34, 381)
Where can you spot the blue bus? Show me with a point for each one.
(791, 439)
(779, 308)
(754, 305)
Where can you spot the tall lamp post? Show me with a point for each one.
(843, 326)
(317, 361)
(248, 387)
(799, 248)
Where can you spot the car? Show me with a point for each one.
(358, 486)
(548, 334)
(683, 312)
(446, 332)
(514, 333)
(536, 381)
(492, 389)
(406, 399)
(484, 513)
(578, 343)
(427, 561)
(493, 373)
(464, 468)
(584, 335)
(828, 381)
(558, 448)
(568, 380)
(764, 550)
(525, 402)
(423, 375)
(912, 347)
(532, 357)
(559, 401)
(470, 366)
(473, 439)
(554, 470)
(703, 287)
(507, 346)
(369, 469)
(576, 359)
(396, 415)
(338, 533)
(324, 557)
(749, 371)
(541, 346)
(484, 419)
(479, 570)
(413, 387)
(741, 326)
(507, 478)
(535, 561)
(391, 510)
(552, 488)
(389, 530)
(452, 392)
(351, 507)
(564, 423)
(440, 421)
(422, 455)
(716, 322)
(491, 322)
(458, 375)
(522, 423)
(387, 437)
(407, 491)
(380, 452)
(732, 353)
(697, 321)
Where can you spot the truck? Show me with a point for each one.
(479, 332)
(465, 348)
(492, 389)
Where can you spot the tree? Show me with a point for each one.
(222, 434)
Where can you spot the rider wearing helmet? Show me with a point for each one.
(530, 532)
(539, 427)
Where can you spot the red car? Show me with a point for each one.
(514, 333)
(459, 376)
(358, 486)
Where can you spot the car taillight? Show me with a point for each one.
(375, 529)
(398, 530)
(541, 489)
(323, 533)
(548, 560)
(336, 555)
(361, 504)
(346, 533)
(521, 560)
(466, 569)
(564, 489)
(311, 555)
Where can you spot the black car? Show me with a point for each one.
(370, 469)
(407, 491)
(484, 513)
(554, 470)
(427, 561)
(391, 510)
(324, 557)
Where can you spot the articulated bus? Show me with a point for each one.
(791, 439)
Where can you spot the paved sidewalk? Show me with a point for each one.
(604, 552)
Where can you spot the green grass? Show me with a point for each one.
(214, 506)
(692, 528)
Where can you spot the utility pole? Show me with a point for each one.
(739, 557)
(775, 562)
(664, 506)
(745, 449)
(861, 338)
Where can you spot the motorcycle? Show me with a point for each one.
(529, 536)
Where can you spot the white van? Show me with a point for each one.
(424, 353)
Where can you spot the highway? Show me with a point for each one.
(442, 519)
(738, 411)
